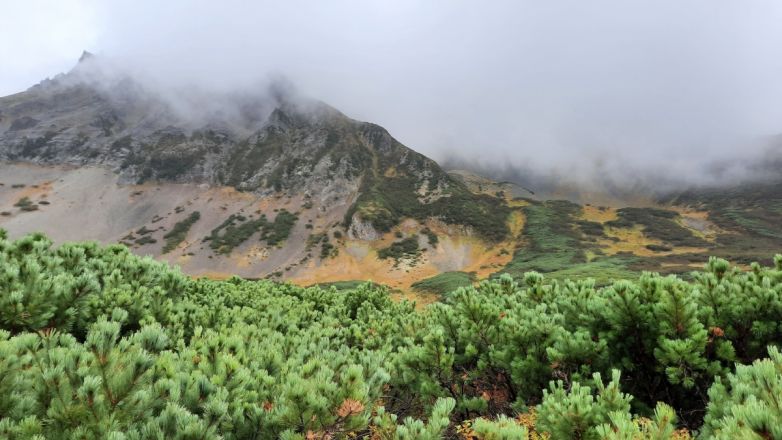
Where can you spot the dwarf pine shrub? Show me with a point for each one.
(97, 343)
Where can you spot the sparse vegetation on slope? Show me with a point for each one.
(749, 214)
(432, 238)
(385, 202)
(405, 248)
(657, 223)
(277, 232)
(178, 233)
(25, 204)
(235, 230)
(146, 239)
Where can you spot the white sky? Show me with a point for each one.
(559, 84)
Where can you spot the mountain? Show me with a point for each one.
(267, 183)
(258, 184)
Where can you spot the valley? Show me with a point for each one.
(558, 238)
(274, 185)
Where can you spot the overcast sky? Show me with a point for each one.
(611, 85)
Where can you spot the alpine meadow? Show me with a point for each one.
(567, 227)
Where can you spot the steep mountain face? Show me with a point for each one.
(269, 144)
(261, 183)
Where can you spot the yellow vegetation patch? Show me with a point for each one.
(626, 240)
(229, 191)
(516, 203)
(358, 260)
(183, 259)
(516, 223)
(486, 260)
(598, 214)
(634, 241)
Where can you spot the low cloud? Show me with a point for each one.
(609, 90)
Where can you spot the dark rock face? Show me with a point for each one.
(23, 123)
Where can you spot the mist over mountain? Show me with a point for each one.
(256, 183)
(577, 89)
(756, 161)
(265, 140)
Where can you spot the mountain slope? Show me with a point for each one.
(750, 215)
(270, 184)
(255, 184)
(274, 143)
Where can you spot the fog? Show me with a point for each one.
(623, 91)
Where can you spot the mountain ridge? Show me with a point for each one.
(278, 142)
(268, 184)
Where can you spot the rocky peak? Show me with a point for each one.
(85, 55)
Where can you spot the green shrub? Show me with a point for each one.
(315, 239)
(658, 248)
(146, 239)
(591, 228)
(25, 204)
(746, 405)
(144, 230)
(98, 343)
(405, 248)
(178, 233)
(279, 230)
(327, 250)
(431, 236)
(232, 232)
(576, 413)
